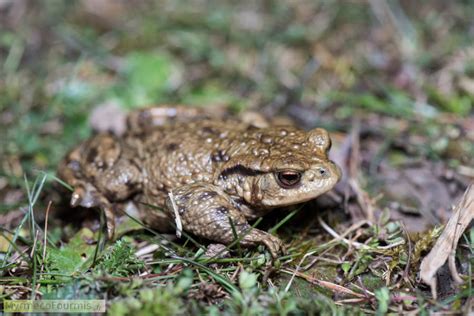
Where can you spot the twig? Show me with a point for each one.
(363, 198)
(356, 244)
(321, 258)
(177, 218)
(146, 250)
(350, 301)
(407, 267)
(297, 268)
(326, 284)
(45, 240)
(353, 227)
(35, 240)
(333, 233)
(361, 287)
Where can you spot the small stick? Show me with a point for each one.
(356, 244)
(326, 284)
(177, 218)
(45, 240)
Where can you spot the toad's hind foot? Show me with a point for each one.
(206, 211)
(102, 173)
(86, 195)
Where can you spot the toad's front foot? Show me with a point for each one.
(205, 210)
(274, 244)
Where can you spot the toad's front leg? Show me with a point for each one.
(207, 211)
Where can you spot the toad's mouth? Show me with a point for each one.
(304, 195)
(311, 187)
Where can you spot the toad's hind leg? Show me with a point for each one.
(206, 211)
(100, 174)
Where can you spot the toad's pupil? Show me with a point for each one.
(288, 179)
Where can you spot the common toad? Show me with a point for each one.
(205, 174)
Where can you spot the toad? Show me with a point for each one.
(207, 176)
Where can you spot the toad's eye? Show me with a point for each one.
(288, 179)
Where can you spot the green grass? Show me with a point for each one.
(178, 279)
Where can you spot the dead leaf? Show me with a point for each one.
(422, 198)
(445, 246)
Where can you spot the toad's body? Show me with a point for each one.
(210, 172)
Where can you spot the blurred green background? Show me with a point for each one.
(319, 62)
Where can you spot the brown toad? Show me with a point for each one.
(205, 174)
